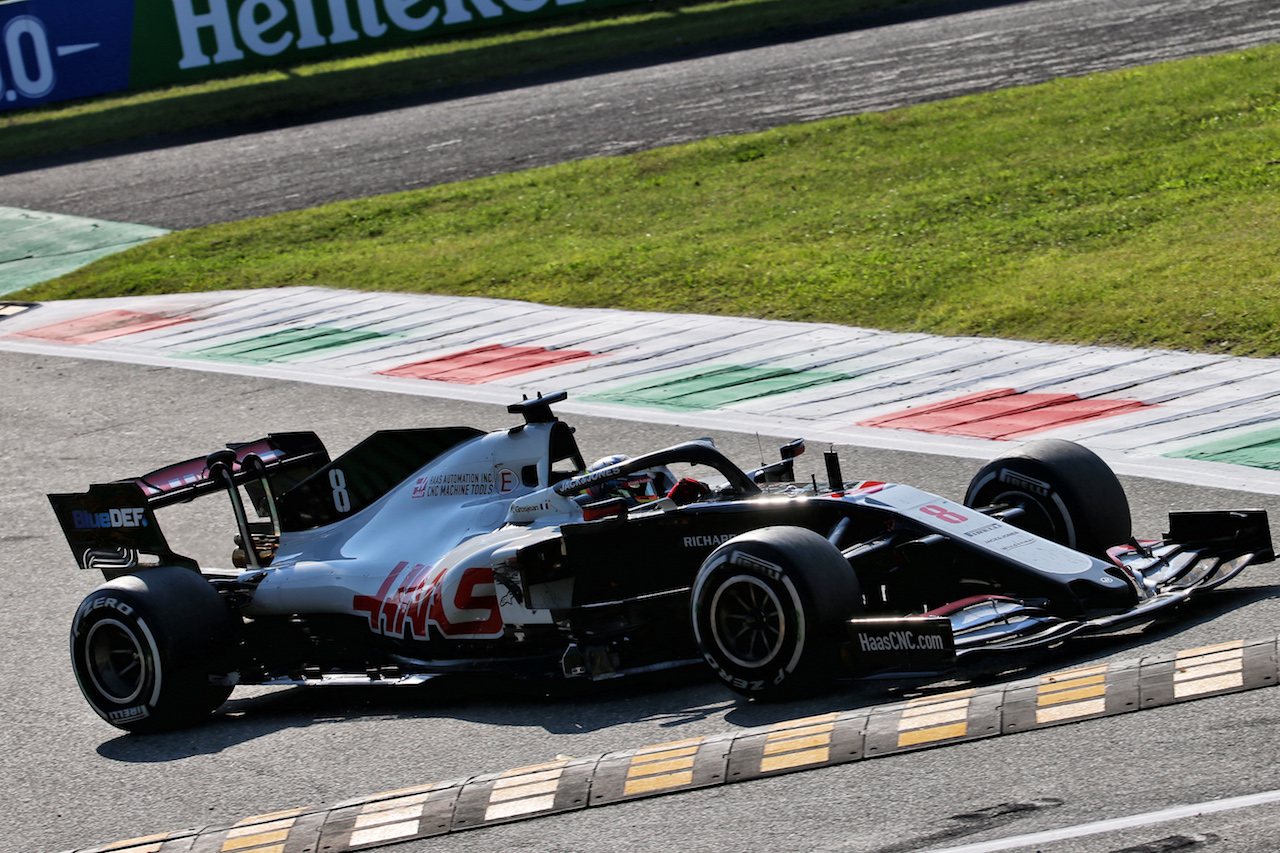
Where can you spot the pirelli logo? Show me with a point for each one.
(930, 720)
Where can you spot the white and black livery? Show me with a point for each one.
(423, 552)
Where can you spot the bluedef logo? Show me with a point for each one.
(112, 518)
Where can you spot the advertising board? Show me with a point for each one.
(52, 50)
(177, 41)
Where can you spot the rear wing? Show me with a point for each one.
(112, 527)
(288, 458)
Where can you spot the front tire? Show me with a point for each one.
(152, 651)
(1065, 492)
(769, 608)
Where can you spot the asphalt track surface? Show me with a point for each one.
(619, 108)
(72, 782)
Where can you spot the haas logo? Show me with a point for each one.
(461, 604)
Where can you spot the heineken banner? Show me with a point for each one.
(53, 50)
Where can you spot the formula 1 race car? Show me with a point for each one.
(430, 551)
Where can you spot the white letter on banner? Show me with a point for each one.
(369, 18)
(37, 50)
(526, 5)
(397, 11)
(308, 32)
(251, 29)
(342, 31)
(456, 13)
(189, 24)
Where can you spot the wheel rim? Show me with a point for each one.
(748, 621)
(115, 661)
(1037, 518)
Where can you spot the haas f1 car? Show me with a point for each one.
(431, 551)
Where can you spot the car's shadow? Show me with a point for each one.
(676, 702)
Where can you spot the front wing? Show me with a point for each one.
(1201, 551)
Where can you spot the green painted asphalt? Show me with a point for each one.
(715, 386)
(288, 345)
(36, 247)
(1260, 449)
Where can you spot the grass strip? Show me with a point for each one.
(1132, 208)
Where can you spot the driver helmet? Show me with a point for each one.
(638, 486)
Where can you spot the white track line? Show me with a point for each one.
(1116, 824)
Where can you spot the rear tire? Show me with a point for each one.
(153, 650)
(769, 608)
(1067, 494)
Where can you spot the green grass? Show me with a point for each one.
(1134, 208)
(490, 54)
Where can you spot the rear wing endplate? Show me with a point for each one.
(111, 528)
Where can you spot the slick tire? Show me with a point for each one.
(152, 651)
(1066, 493)
(769, 608)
